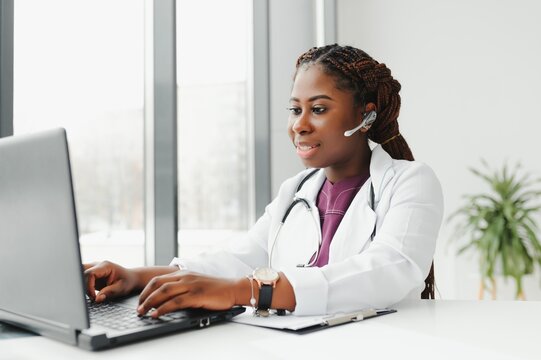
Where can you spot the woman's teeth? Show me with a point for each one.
(306, 147)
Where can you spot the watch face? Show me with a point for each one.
(266, 275)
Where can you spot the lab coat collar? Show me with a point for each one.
(381, 172)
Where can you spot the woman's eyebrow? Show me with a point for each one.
(313, 98)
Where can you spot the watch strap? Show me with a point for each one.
(265, 297)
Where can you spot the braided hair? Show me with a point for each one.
(369, 82)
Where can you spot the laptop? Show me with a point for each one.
(41, 275)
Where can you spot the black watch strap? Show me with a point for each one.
(265, 297)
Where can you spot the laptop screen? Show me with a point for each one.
(40, 264)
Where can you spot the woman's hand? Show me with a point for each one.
(182, 289)
(110, 279)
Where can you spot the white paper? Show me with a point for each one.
(288, 321)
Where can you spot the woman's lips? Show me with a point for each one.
(306, 151)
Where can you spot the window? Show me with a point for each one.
(214, 138)
(83, 70)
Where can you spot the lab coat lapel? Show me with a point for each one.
(356, 227)
(311, 188)
(298, 239)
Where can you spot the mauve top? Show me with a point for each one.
(332, 202)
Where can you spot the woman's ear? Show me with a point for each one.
(369, 115)
(370, 107)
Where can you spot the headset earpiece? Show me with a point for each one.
(368, 120)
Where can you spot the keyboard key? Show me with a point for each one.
(117, 317)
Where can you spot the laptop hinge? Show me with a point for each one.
(93, 342)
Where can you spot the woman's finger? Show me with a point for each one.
(155, 283)
(116, 289)
(176, 303)
(161, 295)
(91, 275)
(90, 285)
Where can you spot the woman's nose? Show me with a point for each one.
(302, 124)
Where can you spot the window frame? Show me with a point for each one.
(161, 217)
(160, 153)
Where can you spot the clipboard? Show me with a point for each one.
(307, 324)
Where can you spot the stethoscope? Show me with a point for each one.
(298, 200)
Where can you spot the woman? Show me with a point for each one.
(357, 229)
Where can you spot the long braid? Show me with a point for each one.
(369, 81)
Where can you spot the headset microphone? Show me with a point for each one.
(367, 122)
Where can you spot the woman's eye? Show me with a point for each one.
(318, 110)
(294, 110)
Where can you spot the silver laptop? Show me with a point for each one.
(41, 276)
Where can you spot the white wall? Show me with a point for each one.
(292, 32)
(471, 89)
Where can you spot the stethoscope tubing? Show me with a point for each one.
(292, 205)
(308, 207)
(314, 257)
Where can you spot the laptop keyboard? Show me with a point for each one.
(118, 317)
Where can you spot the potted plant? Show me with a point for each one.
(500, 227)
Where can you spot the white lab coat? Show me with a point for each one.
(361, 272)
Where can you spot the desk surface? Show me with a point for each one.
(424, 329)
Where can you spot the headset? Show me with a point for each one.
(368, 120)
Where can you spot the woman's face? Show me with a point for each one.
(319, 115)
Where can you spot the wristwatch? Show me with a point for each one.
(266, 280)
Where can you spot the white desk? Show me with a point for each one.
(457, 330)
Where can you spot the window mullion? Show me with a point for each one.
(6, 67)
(261, 106)
(161, 218)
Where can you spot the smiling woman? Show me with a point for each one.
(368, 237)
(320, 114)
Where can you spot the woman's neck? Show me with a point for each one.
(356, 166)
